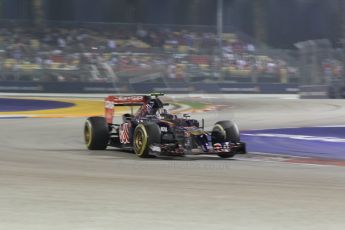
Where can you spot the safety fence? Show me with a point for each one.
(321, 66)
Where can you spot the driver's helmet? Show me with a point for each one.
(161, 113)
(154, 106)
(164, 114)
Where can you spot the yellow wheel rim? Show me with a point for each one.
(88, 133)
(221, 129)
(140, 140)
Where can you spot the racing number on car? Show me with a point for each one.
(124, 133)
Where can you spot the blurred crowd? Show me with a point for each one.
(332, 69)
(100, 53)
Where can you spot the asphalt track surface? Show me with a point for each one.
(49, 181)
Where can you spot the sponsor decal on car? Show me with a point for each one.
(128, 98)
(124, 133)
(164, 129)
(109, 104)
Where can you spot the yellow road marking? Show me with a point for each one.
(81, 108)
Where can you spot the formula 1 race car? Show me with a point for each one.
(153, 131)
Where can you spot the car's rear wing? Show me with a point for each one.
(112, 101)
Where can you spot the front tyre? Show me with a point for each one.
(225, 131)
(96, 133)
(145, 134)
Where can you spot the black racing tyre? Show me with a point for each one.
(145, 134)
(96, 133)
(225, 131)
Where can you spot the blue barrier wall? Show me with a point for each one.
(333, 91)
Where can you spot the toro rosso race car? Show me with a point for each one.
(153, 131)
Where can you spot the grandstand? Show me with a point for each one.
(121, 52)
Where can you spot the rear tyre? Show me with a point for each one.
(225, 131)
(96, 133)
(145, 134)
